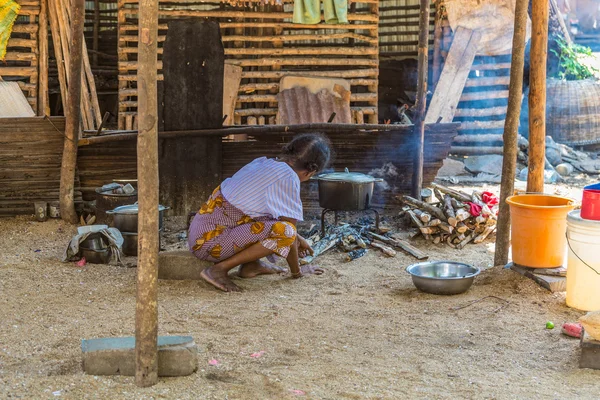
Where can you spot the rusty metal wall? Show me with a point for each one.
(399, 28)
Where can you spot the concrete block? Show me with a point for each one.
(177, 356)
(590, 352)
(180, 265)
(552, 283)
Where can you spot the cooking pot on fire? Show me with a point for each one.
(346, 191)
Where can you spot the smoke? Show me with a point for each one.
(387, 171)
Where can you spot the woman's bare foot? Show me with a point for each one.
(310, 270)
(255, 268)
(219, 279)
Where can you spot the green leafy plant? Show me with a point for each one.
(570, 66)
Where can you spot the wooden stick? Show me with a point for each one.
(484, 234)
(73, 115)
(465, 241)
(457, 194)
(417, 178)
(461, 227)
(58, 54)
(537, 96)
(146, 321)
(436, 212)
(401, 244)
(388, 251)
(434, 222)
(449, 211)
(423, 216)
(42, 103)
(437, 42)
(462, 215)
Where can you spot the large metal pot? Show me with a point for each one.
(107, 201)
(346, 191)
(125, 218)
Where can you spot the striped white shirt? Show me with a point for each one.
(265, 187)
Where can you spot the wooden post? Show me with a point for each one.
(417, 178)
(511, 131)
(96, 33)
(73, 115)
(537, 96)
(43, 107)
(438, 37)
(146, 312)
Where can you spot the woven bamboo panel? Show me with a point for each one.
(22, 55)
(264, 41)
(399, 28)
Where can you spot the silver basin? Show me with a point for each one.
(443, 277)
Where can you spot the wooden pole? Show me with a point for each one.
(537, 96)
(96, 33)
(146, 318)
(73, 115)
(419, 129)
(511, 132)
(43, 106)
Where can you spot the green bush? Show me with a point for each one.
(570, 66)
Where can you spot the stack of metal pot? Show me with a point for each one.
(125, 219)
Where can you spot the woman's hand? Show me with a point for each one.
(304, 248)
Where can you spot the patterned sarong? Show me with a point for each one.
(9, 10)
(219, 230)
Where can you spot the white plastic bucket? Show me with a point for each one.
(583, 271)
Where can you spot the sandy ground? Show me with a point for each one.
(360, 331)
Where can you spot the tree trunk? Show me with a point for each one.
(73, 115)
(537, 96)
(511, 132)
(417, 178)
(146, 318)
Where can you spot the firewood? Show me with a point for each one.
(461, 227)
(434, 211)
(457, 204)
(423, 216)
(439, 196)
(353, 255)
(480, 219)
(458, 195)
(449, 241)
(415, 219)
(429, 230)
(437, 239)
(401, 244)
(445, 227)
(388, 251)
(462, 214)
(327, 243)
(482, 236)
(434, 222)
(449, 210)
(465, 241)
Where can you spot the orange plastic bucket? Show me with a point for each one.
(538, 229)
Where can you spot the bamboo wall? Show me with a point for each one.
(27, 53)
(399, 28)
(263, 40)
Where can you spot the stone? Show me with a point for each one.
(180, 265)
(590, 352)
(177, 356)
(489, 164)
(552, 283)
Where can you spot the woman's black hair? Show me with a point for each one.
(310, 152)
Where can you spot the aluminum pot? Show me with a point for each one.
(346, 191)
(130, 243)
(107, 201)
(125, 218)
(443, 277)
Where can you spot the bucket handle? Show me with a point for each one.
(573, 251)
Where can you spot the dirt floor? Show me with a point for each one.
(360, 331)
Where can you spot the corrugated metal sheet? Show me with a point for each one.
(301, 106)
(13, 102)
(399, 28)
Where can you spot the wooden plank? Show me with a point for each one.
(454, 76)
(231, 86)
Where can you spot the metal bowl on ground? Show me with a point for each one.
(95, 256)
(443, 277)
